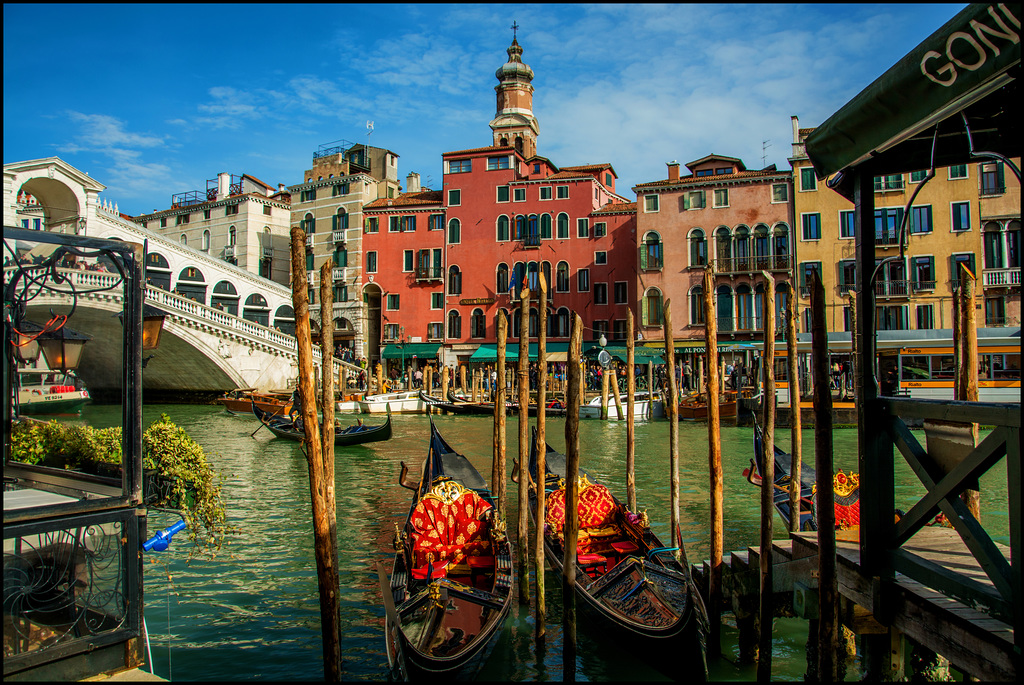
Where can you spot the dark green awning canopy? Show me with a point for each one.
(489, 352)
(410, 350)
(971, 64)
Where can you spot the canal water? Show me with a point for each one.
(252, 613)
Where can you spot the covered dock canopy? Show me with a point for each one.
(971, 65)
(410, 350)
(641, 354)
(488, 353)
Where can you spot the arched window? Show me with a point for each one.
(562, 226)
(723, 239)
(520, 273)
(192, 284)
(256, 309)
(534, 321)
(696, 305)
(284, 319)
(561, 324)
(532, 274)
(454, 325)
(454, 280)
(781, 251)
(158, 271)
(454, 232)
(501, 279)
(546, 269)
(698, 248)
(225, 297)
(744, 307)
(650, 252)
(993, 243)
(340, 256)
(477, 324)
(762, 247)
(205, 244)
(781, 303)
(183, 239)
(741, 248)
(759, 308)
(651, 308)
(520, 228)
(562, 281)
(723, 310)
(545, 227)
(308, 225)
(532, 237)
(339, 222)
(503, 228)
(513, 324)
(232, 236)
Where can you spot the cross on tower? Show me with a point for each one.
(515, 27)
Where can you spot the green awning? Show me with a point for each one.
(410, 350)
(641, 354)
(964, 66)
(489, 353)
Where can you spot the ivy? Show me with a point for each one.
(166, 447)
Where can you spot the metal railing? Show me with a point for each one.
(892, 288)
(429, 273)
(753, 264)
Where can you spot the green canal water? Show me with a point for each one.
(252, 613)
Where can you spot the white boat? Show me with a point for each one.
(592, 410)
(50, 392)
(405, 402)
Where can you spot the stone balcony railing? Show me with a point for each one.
(994, 278)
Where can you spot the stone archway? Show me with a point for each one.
(372, 296)
(65, 195)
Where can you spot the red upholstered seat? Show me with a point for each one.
(596, 517)
(451, 532)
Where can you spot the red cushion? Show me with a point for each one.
(450, 532)
(596, 507)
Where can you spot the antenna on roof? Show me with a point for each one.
(369, 130)
(765, 144)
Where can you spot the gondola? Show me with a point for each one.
(846, 488)
(452, 583)
(284, 427)
(454, 406)
(641, 594)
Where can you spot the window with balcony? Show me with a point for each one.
(308, 224)
(955, 270)
(806, 268)
(995, 311)
(723, 308)
(922, 271)
(890, 182)
(887, 225)
(992, 182)
(847, 275)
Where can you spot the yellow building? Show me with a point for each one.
(948, 219)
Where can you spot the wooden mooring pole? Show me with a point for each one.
(795, 420)
(613, 380)
(968, 389)
(630, 428)
(714, 605)
(522, 529)
(323, 530)
(498, 460)
(828, 593)
(767, 597)
(542, 398)
(672, 409)
(444, 383)
(572, 497)
(327, 399)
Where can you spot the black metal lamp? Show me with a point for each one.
(152, 325)
(26, 347)
(63, 348)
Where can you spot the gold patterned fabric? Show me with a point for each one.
(449, 530)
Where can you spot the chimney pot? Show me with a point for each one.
(673, 170)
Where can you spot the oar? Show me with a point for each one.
(394, 660)
(262, 424)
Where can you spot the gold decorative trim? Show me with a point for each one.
(446, 490)
(843, 484)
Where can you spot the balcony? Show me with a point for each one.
(268, 253)
(309, 240)
(229, 251)
(887, 238)
(892, 289)
(313, 277)
(339, 273)
(922, 286)
(1001, 278)
(530, 241)
(338, 236)
(749, 265)
(429, 273)
(989, 189)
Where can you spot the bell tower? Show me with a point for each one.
(514, 124)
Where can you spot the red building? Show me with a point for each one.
(508, 215)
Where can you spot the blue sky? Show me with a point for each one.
(152, 100)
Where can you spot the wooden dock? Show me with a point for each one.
(972, 640)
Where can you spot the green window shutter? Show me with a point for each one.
(644, 313)
(545, 227)
(309, 262)
(643, 256)
(334, 222)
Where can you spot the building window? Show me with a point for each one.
(437, 300)
(806, 269)
(807, 179)
(600, 293)
(230, 209)
(206, 214)
(696, 306)
(562, 192)
(454, 280)
(621, 292)
(918, 176)
(477, 324)
(600, 229)
(394, 224)
(371, 262)
(650, 308)
(454, 327)
(205, 245)
(811, 226)
(887, 225)
(698, 248)
(847, 224)
(407, 260)
(454, 232)
(391, 331)
(992, 179)
(454, 198)
(266, 210)
(562, 277)
(498, 163)
(601, 257)
(372, 224)
(651, 252)
(562, 226)
(582, 228)
(967, 259)
(961, 216)
(183, 239)
(722, 197)
(780, 192)
(163, 222)
(650, 203)
(460, 166)
(435, 222)
(182, 219)
(502, 228)
(409, 223)
(583, 281)
(847, 275)
(957, 171)
(922, 271)
(891, 318)
(340, 292)
(502, 193)
(519, 194)
(995, 311)
(307, 195)
(339, 221)
(339, 189)
(925, 317)
(890, 182)
(545, 227)
(545, 192)
(921, 219)
(501, 279)
(694, 200)
(392, 302)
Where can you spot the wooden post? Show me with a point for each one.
(462, 379)
(428, 380)
(969, 374)
(498, 470)
(714, 605)
(650, 389)
(613, 381)
(523, 531)
(572, 496)
(767, 597)
(444, 383)
(380, 377)
(327, 397)
(828, 595)
(326, 566)
(854, 359)
(672, 407)
(630, 428)
(604, 393)
(542, 398)
(795, 420)
(958, 341)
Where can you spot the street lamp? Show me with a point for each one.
(63, 348)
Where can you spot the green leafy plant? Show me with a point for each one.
(195, 488)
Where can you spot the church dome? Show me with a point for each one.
(514, 69)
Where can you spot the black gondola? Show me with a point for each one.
(625, 576)
(845, 488)
(447, 600)
(285, 427)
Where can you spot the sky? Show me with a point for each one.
(153, 100)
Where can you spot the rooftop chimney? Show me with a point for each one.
(412, 183)
(673, 170)
(223, 185)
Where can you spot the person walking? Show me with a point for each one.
(687, 376)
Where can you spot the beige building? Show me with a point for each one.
(947, 222)
(328, 205)
(239, 219)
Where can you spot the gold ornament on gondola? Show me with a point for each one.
(399, 542)
(843, 484)
(446, 490)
